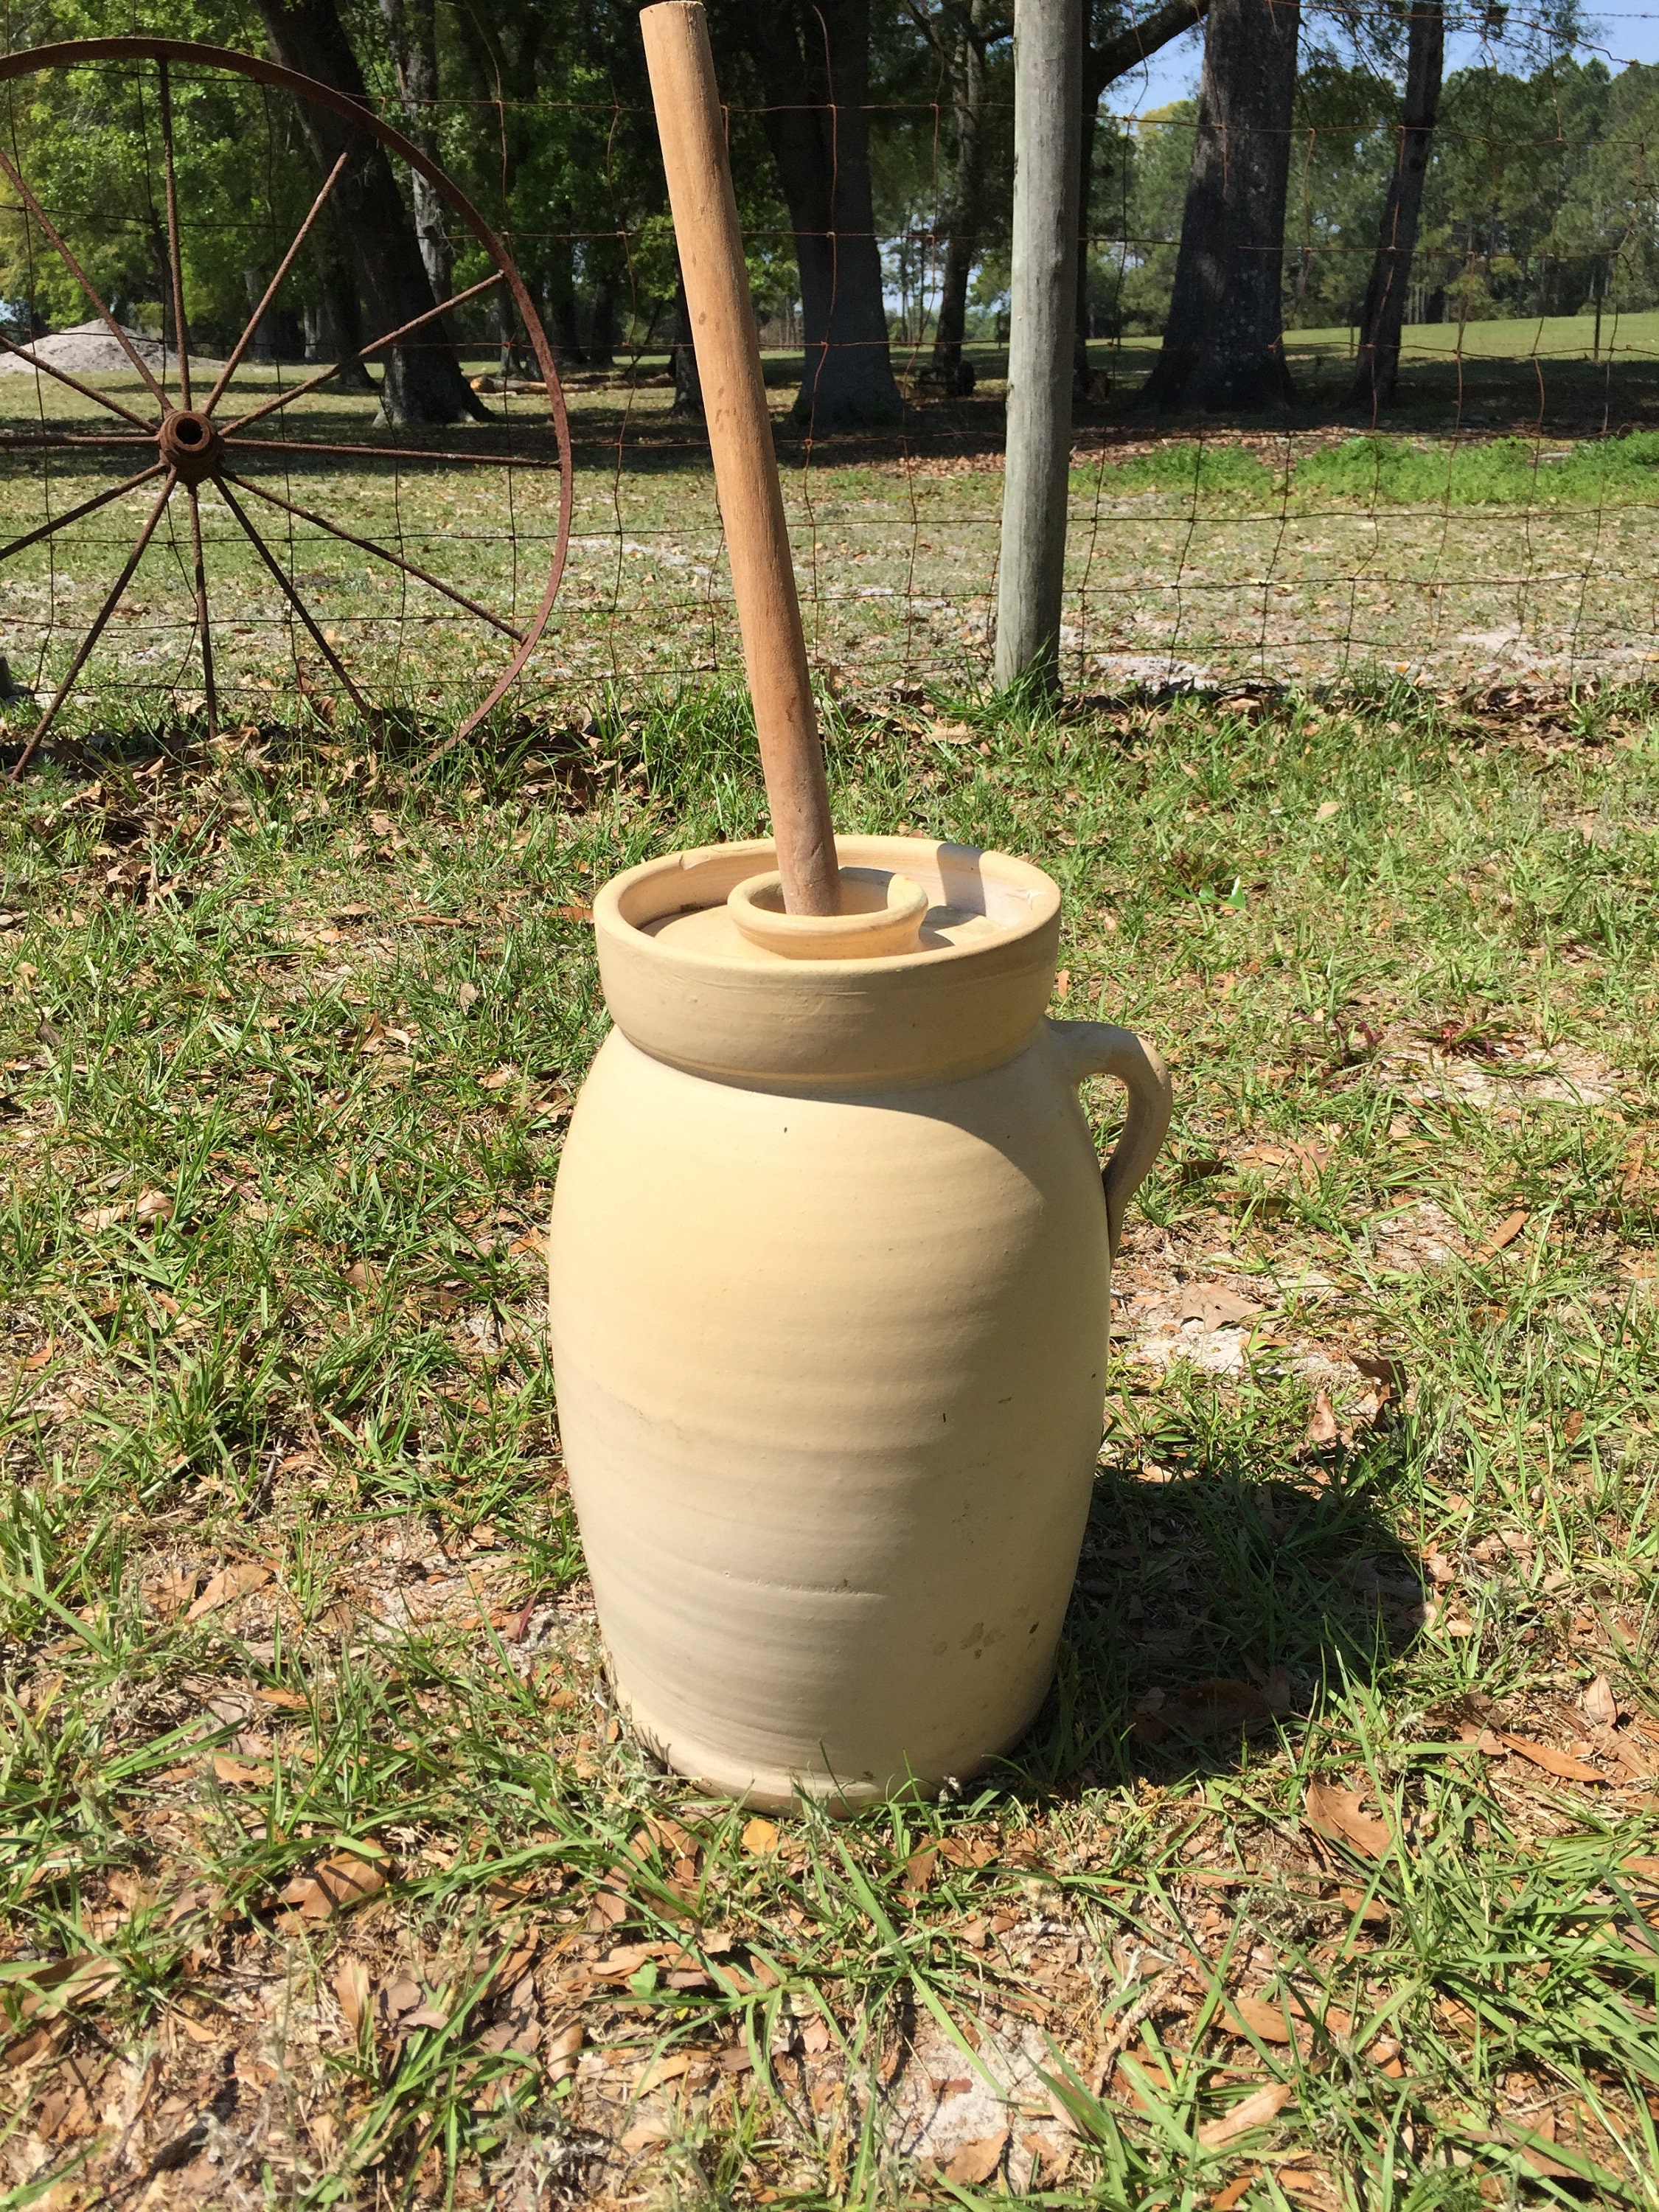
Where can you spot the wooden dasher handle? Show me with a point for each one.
(692, 127)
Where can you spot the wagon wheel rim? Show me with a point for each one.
(190, 444)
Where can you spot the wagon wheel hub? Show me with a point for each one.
(190, 444)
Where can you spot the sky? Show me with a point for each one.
(1172, 74)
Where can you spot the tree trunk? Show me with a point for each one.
(334, 326)
(814, 57)
(1102, 65)
(971, 77)
(683, 355)
(1377, 367)
(422, 380)
(411, 32)
(563, 327)
(1224, 342)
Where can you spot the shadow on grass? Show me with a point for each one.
(1213, 1597)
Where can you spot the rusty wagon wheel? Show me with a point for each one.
(259, 461)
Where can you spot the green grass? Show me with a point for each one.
(291, 1033)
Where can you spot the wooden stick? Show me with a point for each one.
(692, 125)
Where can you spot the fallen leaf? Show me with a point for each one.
(239, 1773)
(760, 1836)
(1261, 2106)
(1338, 1813)
(152, 1206)
(643, 2133)
(351, 1990)
(1239, 2186)
(1373, 1913)
(336, 1884)
(659, 2071)
(37, 1360)
(1261, 2017)
(976, 2161)
(1572, 1428)
(1377, 1367)
(1214, 1306)
(361, 1276)
(1323, 813)
(289, 1701)
(228, 1585)
(103, 1217)
(36, 1989)
(1217, 1706)
(499, 1080)
(1321, 1421)
(1505, 1233)
(1560, 1763)
(1049, 2158)
(919, 1868)
(1600, 1706)
(559, 2054)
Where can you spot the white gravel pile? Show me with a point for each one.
(91, 350)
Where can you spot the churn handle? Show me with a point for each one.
(1097, 1049)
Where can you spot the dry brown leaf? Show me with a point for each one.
(1373, 1913)
(1217, 1706)
(760, 1836)
(919, 1868)
(1600, 1706)
(643, 2133)
(1377, 1367)
(1326, 809)
(53, 1986)
(1322, 1420)
(228, 1585)
(1261, 2017)
(1339, 1813)
(239, 1773)
(337, 1883)
(560, 2055)
(37, 1360)
(1238, 2187)
(1505, 1233)
(1573, 1427)
(976, 2161)
(1214, 1306)
(1560, 1763)
(152, 1206)
(288, 1701)
(661, 2070)
(499, 1080)
(1261, 2106)
(351, 1990)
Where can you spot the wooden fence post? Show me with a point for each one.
(1042, 321)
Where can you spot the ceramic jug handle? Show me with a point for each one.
(1097, 1049)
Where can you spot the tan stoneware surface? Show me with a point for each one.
(830, 1264)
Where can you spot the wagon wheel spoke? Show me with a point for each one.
(203, 629)
(304, 448)
(87, 506)
(98, 622)
(81, 278)
(368, 545)
(26, 441)
(180, 329)
(275, 286)
(301, 449)
(74, 384)
(311, 383)
(296, 602)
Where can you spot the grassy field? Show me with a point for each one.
(1329, 1878)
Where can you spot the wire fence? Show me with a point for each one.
(1493, 527)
